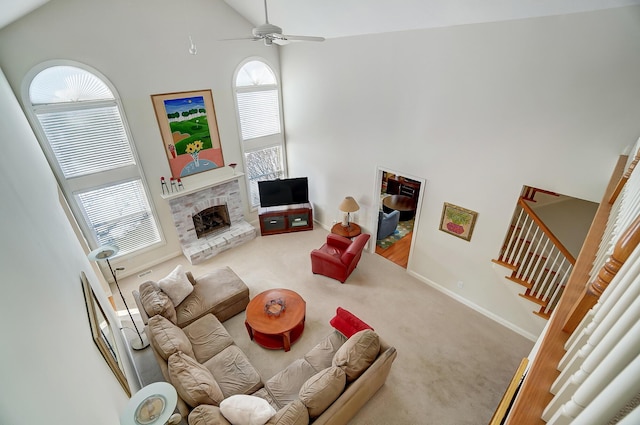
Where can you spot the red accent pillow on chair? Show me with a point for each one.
(347, 323)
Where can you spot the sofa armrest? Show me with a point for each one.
(141, 310)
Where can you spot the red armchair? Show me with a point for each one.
(339, 256)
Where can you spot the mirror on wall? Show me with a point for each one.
(103, 333)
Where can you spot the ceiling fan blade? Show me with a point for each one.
(241, 38)
(297, 37)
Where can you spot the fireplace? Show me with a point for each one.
(211, 221)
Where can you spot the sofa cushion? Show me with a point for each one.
(233, 372)
(242, 409)
(357, 354)
(322, 389)
(208, 337)
(321, 356)
(214, 293)
(154, 301)
(193, 382)
(286, 384)
(206, 414)
(176, 285)
(347, 323)
(294, 413)
(167, 338)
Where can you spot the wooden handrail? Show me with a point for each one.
(625, 245)
(624, 178)
(534, 395)
(547, 231)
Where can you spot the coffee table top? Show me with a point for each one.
(293, 314)
(399, 202)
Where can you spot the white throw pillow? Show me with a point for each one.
(176, 285)
(241, 409)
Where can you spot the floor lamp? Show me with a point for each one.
(104, 253)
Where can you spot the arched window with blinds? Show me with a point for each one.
(81, 127)
(260, 122)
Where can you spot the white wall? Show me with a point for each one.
(51, 370)
(142, 48)
(478, 111)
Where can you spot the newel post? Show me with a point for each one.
(592, 292)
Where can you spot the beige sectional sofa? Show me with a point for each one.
(328, 385)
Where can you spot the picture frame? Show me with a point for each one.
(102, 333)
(189, 130)
(458, 221)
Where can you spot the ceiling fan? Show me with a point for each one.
(273, 34)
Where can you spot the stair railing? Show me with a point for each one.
(538, 260)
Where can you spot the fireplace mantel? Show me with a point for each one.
(193, 184)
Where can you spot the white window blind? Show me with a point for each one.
(83, 132)
(259, 113)
(120, 215)
(87, 141)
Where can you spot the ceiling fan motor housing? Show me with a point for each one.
(266, 29)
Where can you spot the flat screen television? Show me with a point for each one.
(283, 192)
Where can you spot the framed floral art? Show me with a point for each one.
(458, 221)
(189, 130)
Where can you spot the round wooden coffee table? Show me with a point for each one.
(272, 326)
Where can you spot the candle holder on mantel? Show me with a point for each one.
(233, 166)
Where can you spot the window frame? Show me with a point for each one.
(263, 142)
(72, 187)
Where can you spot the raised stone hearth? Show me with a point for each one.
(185, 206)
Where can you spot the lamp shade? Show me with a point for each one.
(349, 205)
(103, 253)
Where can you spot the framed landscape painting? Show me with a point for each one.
(189, 130)
(458, 221)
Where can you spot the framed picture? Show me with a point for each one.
(102, 333)
(189, 130)
(458, 221)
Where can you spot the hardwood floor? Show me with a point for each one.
(398, 252)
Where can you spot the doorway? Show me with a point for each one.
(399, 197)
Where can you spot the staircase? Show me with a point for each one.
(537, 259)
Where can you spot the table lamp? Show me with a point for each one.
(152, 405)
(104, 253)
(348, 205)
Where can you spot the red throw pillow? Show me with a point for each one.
(347, 323)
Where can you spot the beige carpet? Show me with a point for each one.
(453, 364)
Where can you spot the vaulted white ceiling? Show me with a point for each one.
(340, 18)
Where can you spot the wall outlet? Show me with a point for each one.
(460, 284)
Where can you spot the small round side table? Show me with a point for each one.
(351, 231)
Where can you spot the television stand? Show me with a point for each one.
(285, 219)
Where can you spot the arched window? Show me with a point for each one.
(260, 120)
(79, 122)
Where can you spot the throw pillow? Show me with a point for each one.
(154, 301)
(167, 338)
(294, 413)
(242, 409)
(195, 384)
(176, 285)
(347, 323)
(206, 414)
(322, 389)
(357, 353)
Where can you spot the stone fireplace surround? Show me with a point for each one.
(185, 204)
